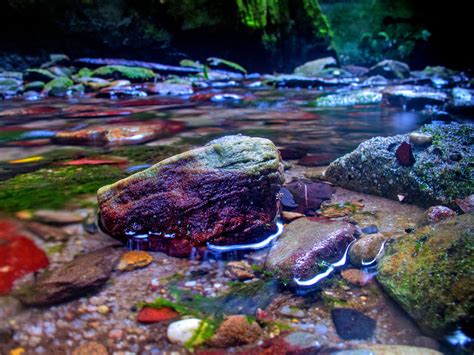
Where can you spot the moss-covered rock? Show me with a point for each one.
(39, 75)
(58, 86)
(223, 193)
(350, 98)
(440, 173)
(430, 274)
(135, 74)
(35, 86)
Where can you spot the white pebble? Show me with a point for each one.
(182, 331)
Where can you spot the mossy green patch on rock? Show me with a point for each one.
(136, 74)
(58, 86)
(150, 154)
(430, 273)
(52, 188)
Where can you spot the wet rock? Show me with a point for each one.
(388, 349)
(436, 214)
(116, 72)
(58, 86)
(340, 209)
(239, 270)
(390, 69)
(46, 232)
(35, 86)
(91, 348)
(463, 101)
(418, 269)
(291, 216)
(39, 75)
(299, 81)
(149, 315)
(316, 159)
(352, 324)
(366, 249)
(111, 135)
(433, 179)
(356, 277)
(420, 139)
(292, 343)
(307, 195)
(350, 98)
(182, 331)
(413, 97)
(305, 244)
(134, 259)
(293, 312)
(84, 274)
(466, 204)
(58, 217)
(315, 67)
(376, 80)
(223, 193)
(169, 89)
(404, 154)
(372, 229)
(235, 331)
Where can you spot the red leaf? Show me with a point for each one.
(18, 256)
(153, 315)
(87, 161)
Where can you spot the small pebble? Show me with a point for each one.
(420, 138)
(103, 309)
(291, 312)
(182, 331)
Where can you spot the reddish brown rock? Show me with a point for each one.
(307, 246)
(223, 193)
(435, 215)
(234, 331)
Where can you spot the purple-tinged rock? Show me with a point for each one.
(306, 246)
(435, 215)
(308, 195)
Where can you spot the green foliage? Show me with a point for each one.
(213, 61)
(58, 86)
(206, 330)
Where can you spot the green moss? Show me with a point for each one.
(123, 72)
(84, 72)
(53, 188)
(150, 154)
(35, 86)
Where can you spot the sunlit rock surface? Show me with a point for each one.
(439, 174)
(223, 193)
(429, 273)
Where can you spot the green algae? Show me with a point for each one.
(54, 187)
(417, 269)
(123, 72)
(150, 154)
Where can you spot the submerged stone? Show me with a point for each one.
(236, 330)
(85, 273)
(429, 273)
(58, 86)
(435, 214)
(306, 248)
(223, 193)
(440, 174)
(352, 324)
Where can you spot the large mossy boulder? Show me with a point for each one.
(430, 274)
(396, 167)
(223, 193)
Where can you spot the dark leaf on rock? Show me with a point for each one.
(309, 195)
(286, 198)
(404, 154)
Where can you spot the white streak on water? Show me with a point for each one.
(330, 269)
(254, 246)
(458, 338)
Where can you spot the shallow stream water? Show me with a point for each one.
(308, 137)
